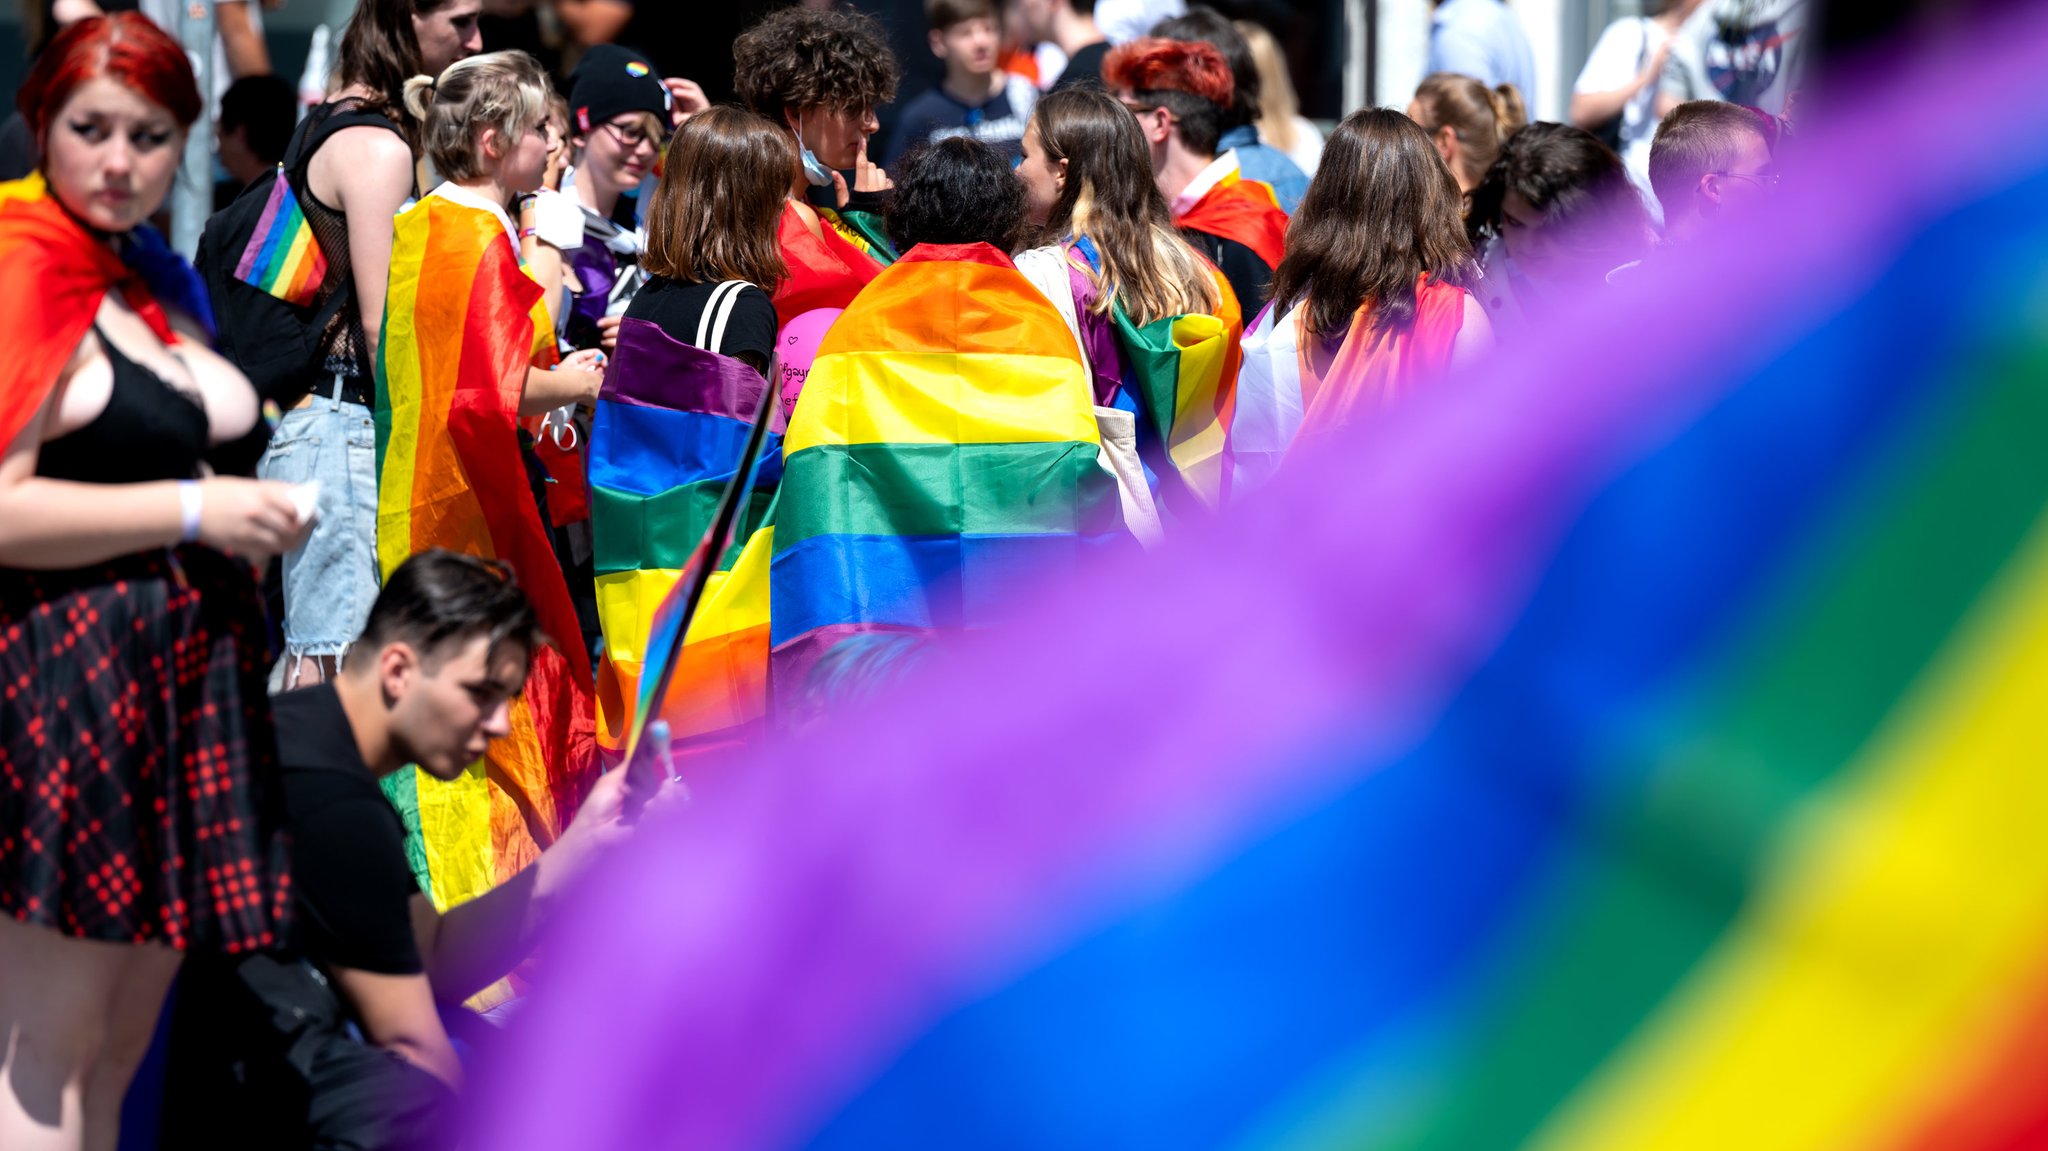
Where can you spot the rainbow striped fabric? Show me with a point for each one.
(1636, 745)
(462, 323)
(1183, 370)
(670, 426)
(283, 258)
(943, 449)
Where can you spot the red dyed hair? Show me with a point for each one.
(1151, 65)
(127, 47)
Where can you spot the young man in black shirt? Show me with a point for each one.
(265, 1050)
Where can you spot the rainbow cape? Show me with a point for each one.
(462, 323)
(1242, 210)
(1634, 745)
(670, 426)
(824, 272)
(943, 450)
(1284, 403)
(65, 274)
(1181, 371)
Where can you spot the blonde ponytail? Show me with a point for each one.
(506, 91)
(418, 96)
(1509, 112)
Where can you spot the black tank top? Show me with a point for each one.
(149, 430)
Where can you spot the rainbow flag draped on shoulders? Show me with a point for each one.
(1180, 378)
(826, 270)
(462, 324)
(1239, 209)
(1285, 401)
(1634, 745)
(943, 451)
(64, 274)
(671, 426)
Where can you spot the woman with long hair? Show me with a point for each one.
(1088, 190)
(696, 359)
(1108, 247)
(1371, 301)
(1468, 122)
(360, 170)
(1555, 216)
(135, 745)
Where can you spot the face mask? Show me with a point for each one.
(815, 170)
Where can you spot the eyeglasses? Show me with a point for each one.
(631, 136)
(1760, 179)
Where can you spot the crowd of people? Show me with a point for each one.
(467, 362)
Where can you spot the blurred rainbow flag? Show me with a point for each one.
(670, 428)
(1636, 744)
(462, 323)
(943, 451)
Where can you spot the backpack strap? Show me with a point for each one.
(717, 312)
(321, 124)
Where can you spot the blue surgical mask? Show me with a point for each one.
(814, 169)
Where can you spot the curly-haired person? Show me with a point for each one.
(821, 75)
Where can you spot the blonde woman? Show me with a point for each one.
(1280, 123)
(468, 345)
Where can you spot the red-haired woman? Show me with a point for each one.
(134, 730)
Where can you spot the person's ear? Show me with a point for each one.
(937, 40)
(1059, 177)
(398, 668)
(1709, 193)
(489, 144)
(1446, 141)
(1158, 125)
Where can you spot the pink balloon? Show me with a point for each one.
(796, 346)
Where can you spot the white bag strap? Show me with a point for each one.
(717, 312)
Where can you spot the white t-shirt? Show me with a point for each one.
(1624, 50)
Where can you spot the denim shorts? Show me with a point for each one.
(331, 580)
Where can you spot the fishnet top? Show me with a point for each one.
(343, 348)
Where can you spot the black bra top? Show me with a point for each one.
(149, 430)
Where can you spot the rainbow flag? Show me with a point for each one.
(283, 258)
(670, 427)
(825, 270)
(70, 272)
(943, 451)
(462, 323)
(1636, 744)
(1182, 371)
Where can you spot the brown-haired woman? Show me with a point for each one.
(1088, 188)
(713, 220)
(1371, 300)
(1468, 122)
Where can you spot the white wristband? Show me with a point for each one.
(190, 502)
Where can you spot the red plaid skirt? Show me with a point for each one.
(138, 794)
